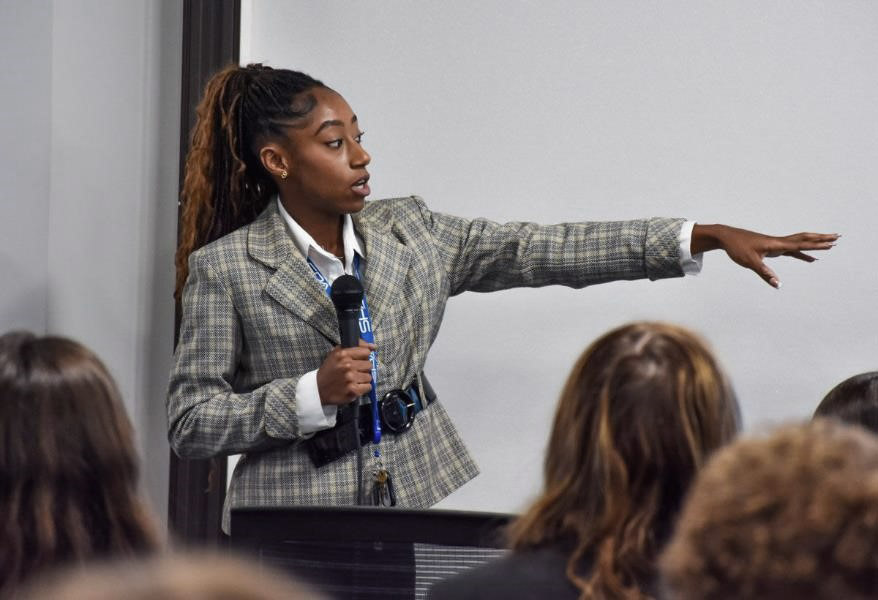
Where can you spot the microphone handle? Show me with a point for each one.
(349, 328)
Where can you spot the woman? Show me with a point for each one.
(642, 409)
(788, 515)
(174, 576)
(273, 211)
(854, 400)
(68, 464)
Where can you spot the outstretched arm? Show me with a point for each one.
(748, 248)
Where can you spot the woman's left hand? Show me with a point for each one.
(748, 248)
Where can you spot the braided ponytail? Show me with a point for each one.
(225, 185)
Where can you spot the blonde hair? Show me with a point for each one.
(641, 411)
(181, 576)
(790, 515)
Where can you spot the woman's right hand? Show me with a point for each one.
(346, 374)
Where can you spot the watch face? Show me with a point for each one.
(397, 411)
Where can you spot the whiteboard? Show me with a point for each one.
(761, 115)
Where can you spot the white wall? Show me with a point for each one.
(25, 79)
(762, 115)
(102, 229)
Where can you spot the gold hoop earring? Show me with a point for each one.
(283, 174)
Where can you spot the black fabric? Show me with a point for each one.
(331, 444)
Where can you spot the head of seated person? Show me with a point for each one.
(175, 576)
(641, 411)
(786, 516)
(68, 463)
(854, 400)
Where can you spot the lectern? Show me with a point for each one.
(368, 553)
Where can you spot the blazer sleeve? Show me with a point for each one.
(206, 417)
(483, 256)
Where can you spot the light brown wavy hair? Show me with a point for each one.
(642, 409)
(68, 464)
(781, 517)
(225, 185)
(177, 576)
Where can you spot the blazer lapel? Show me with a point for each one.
(387, 262)
(293, 284)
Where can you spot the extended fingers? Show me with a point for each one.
(793, 245)
(769, 276)
(812, 241)
(813, 245)
(800, 256)
(754, 262)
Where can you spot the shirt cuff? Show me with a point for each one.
(313, 416)
(690, 264)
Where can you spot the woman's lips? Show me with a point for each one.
(361, 187)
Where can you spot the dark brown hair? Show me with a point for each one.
(68, 464)
(641, 411)
(854, 400)
(225, 185)
(780, 517)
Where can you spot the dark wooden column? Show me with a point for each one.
(211, 40)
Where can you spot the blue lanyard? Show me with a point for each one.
(365, 322)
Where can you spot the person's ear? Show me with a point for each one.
(275, 160)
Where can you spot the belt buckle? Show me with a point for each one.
(397, 411)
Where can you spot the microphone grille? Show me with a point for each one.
(346, 293)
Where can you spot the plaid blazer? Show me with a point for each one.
(255, 320)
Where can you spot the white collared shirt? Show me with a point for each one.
(690, 264)
(314, 416)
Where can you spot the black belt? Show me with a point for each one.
(397, 410)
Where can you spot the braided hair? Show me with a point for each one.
(225, 185)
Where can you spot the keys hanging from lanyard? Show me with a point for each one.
(382, 491)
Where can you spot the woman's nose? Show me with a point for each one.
(360, 158)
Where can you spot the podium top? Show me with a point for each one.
(368, 523)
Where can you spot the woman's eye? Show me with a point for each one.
(359, 138)
(334, 144)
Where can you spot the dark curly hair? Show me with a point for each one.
(787, 516)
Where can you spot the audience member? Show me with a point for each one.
(854, 400)
(789, 516)
(642, 409)
(171, 577)
(68, 464)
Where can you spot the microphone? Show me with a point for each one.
(347, 296)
